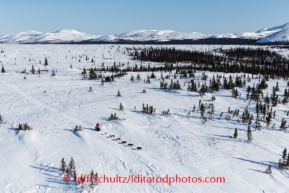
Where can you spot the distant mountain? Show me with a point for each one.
(160, 35)
(63, 36)
(279, 36)
(273, 34)
(274, 29)
(21, 37)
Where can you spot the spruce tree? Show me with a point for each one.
(283, 125)
(132, 78)
(67, 171)
(93, 180)
(236, 133)
(269, 119)
(268, 170)
(45, 62)
(202, 110)
(32, 70)
(63, 166)
(120, 107)
(284, 153)
(3, 70)
(249, 134)
(118, 93)
(72, 165)
(257, 123)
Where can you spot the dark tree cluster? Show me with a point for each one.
(113, 117)
(77, 128)
(68, 169)
(192, 86)
(165, 112)
(148, 109)
(206, 108)
(235, 60)
(214, 84)
(235, 93)
(172, 86)
(24, 127)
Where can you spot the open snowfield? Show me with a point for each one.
(177, 144)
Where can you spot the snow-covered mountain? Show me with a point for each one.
(65, 36)
(21, 37)
(60, 36)
(279, 36)
(160, 35)
(260, 34)
(273, 34)
(274, 29)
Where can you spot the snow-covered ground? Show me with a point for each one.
(178, 144)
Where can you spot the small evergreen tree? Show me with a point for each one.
(249, 134)
(138, 77)
(268, 170)
(71, 165)
(67, 171)
(202, 110)
(269, 119)
(32, 70)
(45, 62)
(120, 107)
(132, 78)
(63, 166)
(236, 133)
(284, 153)
(3, 70)
(283, 125)
(118, 93)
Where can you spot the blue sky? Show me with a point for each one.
(117, 16)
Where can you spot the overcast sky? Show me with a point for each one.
(104, 17)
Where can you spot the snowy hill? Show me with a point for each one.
(69, 36)
(21, 37)
(160, 35)
(273, 29)
(179, 144)
(60, 36)
(280, 36)
(64, 36)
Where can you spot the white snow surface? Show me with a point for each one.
(178, 144)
